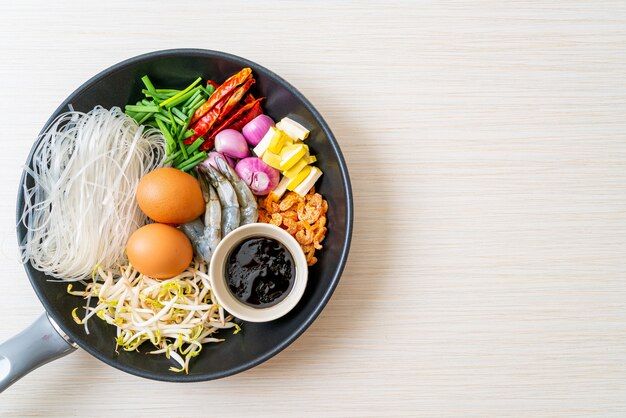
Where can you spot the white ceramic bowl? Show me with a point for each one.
(218, 278)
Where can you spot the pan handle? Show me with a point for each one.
(40, 343)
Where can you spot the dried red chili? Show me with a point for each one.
(226, 89)
(219, 112)
(206, 122)
(246, 114)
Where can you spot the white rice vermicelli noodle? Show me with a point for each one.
(80, 209)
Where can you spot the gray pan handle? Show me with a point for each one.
(40, 343)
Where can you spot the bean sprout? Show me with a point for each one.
(176, 316)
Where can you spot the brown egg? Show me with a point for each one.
(159, 251)
(170, 196)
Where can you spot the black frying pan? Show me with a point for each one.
(54, 334)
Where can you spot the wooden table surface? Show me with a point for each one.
(486, 142)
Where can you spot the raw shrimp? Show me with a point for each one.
(212, 216)
(227, 197)
(205, 236)
(195, 232)
(247, 200)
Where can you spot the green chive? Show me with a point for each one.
(191, 165)
(145, 118)
(142, 108)
(174, 120)
(178, 113)
(209, 89)
(189, 133)
(181, 99)
(169, 114)
(181, 145)
(178, 160)
(195, 145)
(137, 115)
(196, 107)
(192, 162)
(166, 132)
(148, 83)
(155, 96)
(197, 93)
(195, 104)
(183, 129)
(181, 135)
(174, 132)
(171, 99)
(162, 118)
(172, 157)
(183, 148)
(161, 96)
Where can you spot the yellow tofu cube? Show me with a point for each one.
(271, 159)
(261, 147)
(293, 171)
(305, 185)
(293, 129)
(277, 142)
(291, 155)
(278, 192)
(300, 177)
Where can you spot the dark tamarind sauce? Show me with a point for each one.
(260, 272)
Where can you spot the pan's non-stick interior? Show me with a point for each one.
(120, 85)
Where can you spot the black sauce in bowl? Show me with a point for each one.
(260, 272)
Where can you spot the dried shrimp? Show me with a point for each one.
(302, 217)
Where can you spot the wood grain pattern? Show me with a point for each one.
(486, 143)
